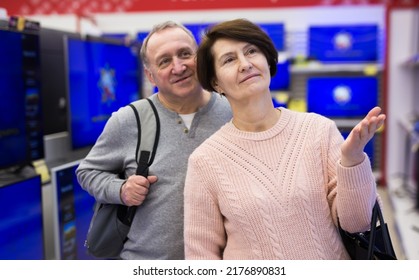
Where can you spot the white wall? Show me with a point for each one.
(295, 19)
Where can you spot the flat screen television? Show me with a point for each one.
(342, 97)
(101, 77)
(118, 36)
(72, 212)
(21, 130)
(276, 31)
(21, 220)
(198, 30)
(141, 36)
(281, 80)
(343, 43)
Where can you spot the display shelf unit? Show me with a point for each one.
(402, 99)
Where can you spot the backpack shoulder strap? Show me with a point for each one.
(148, 123)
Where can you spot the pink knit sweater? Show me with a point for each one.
(275, 194)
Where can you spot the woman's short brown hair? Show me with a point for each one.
(241, 30)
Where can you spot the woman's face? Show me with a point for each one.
(241, 69)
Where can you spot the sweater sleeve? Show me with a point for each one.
(204, 233)
(98, 173)
(355, 193)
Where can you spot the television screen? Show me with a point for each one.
(344, 43)
(101, 78)
(198, 30)
(73, 210)
(21, 131)
(21, 223)
(141, 36)
(276, 32)
(342, 97)
(281, 80)
(119, 36)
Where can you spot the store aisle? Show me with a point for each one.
(389, 218)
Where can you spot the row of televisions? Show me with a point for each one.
(72, 85)
(331, 43)
(54, 81)
(23, 228)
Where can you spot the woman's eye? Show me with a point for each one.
(252, 51)
(228, 60)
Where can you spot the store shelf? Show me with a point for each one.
(402, 193)
(412, 62)
(314, 67)
(348, 123)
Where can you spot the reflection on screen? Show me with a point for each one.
(75, 210)
(102, 77)
(21, 133)
(21, 224)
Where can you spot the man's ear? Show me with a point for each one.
(149, 76)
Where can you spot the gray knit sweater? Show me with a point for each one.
(157, 230)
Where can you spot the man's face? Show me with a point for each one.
(171, 62)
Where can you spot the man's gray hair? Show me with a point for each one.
(157, 28)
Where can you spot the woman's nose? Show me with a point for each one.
(245, 65)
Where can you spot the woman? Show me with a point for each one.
(271, 183)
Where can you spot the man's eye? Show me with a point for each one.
(163, 62)
(186, 54)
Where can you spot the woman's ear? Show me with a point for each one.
(215, 86)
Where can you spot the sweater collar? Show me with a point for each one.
(262, 135)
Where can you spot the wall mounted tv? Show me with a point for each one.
(72, 212)
(343, 43)
(21, 222)
(101, 77)
(21, 131)
(342, 97)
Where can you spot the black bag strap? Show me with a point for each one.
(147, 140)
(147, 143)
(377, 215)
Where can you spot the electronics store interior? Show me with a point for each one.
(57, 90)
